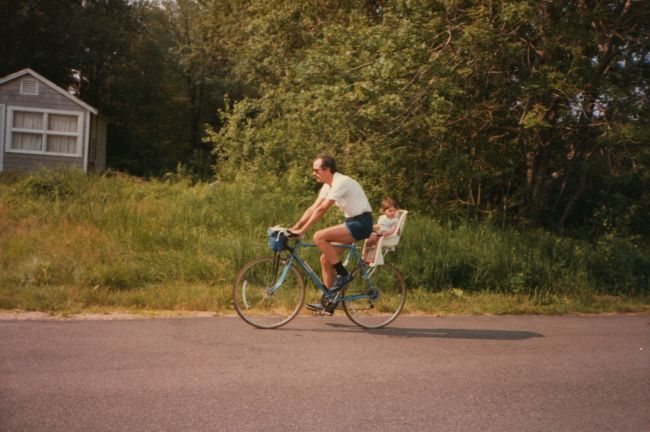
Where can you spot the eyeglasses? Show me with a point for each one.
(317, 169)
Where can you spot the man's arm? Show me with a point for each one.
(305, 217)
(312, 215)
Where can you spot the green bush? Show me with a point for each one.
(52, 184)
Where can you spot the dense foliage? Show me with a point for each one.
(526, 112)
(522, 112)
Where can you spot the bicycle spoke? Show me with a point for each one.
(259, 302)
(383, 296)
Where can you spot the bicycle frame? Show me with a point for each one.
(352, 253)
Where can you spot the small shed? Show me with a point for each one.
(44, 126)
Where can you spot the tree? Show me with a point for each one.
(41, 35)
(519, 110)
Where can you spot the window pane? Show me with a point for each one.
(61, 144)
(28, 120)
(62, 123)
(27, 141)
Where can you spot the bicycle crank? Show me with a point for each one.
(329, 305)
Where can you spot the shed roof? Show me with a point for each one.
(49, 83)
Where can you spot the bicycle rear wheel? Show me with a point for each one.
(254, 300)
(390, 289)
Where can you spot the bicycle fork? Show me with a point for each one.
(283, 275)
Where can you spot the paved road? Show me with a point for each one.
(525, 373)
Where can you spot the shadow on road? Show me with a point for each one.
(511, 335)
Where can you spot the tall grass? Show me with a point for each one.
(73, 241)
(536, 264)
(121, 233)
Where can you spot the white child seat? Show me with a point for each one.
(387, 243)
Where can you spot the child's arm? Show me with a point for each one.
(391, 231)
(377, 227)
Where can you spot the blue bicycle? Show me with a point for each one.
(269, 291)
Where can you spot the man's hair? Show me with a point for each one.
(327, 161)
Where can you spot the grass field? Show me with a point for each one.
(71, 243)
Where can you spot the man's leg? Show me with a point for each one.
(327, 269)
(331, 254)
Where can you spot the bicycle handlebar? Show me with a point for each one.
(286, 231)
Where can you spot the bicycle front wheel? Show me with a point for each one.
(387, 291)
(259, 302)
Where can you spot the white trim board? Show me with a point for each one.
(2, 136)
(85, 140)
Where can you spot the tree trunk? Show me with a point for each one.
(582, 182)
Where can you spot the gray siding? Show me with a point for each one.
(31, 162)
(47, 99)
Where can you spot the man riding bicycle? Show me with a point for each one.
(348, 195)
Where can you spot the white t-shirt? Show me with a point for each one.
(348, 195)
(386, 224)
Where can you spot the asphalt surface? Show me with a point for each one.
(515, 373)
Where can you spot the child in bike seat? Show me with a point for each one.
(386, 225)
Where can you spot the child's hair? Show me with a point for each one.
(388, 203)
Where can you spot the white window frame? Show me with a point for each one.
(44, 132)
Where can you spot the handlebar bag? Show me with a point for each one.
(278, 239)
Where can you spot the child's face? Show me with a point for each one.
(391, 212)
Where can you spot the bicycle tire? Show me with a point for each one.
(377, 313)
(252, 300)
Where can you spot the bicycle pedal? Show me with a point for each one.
(329, 309)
